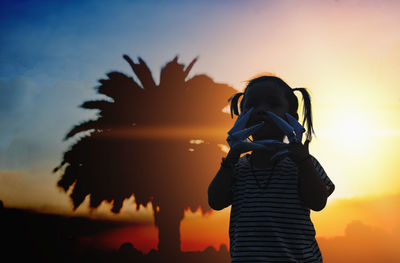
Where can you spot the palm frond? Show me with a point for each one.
(101, 105)
(118, 86)
(84, 126)
(142, 71)
(69, 177)
(187, 70)
(78, 194)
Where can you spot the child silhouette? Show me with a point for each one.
(271, 193)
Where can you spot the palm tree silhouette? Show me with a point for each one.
(160, 143)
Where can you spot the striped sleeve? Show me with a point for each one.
(329, 185)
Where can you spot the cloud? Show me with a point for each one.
(18, 97)
(16, 92)
(362, 243)
(18, 104)
(382, 211)
(34, 118)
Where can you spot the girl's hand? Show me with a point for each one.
(238, 135)
(298, 151)
(294, 131)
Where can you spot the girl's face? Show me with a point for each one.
(265, 96)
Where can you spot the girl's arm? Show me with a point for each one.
(220, 188)
(312, 189)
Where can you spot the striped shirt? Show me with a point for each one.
(271, 224)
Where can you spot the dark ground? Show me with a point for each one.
(27, 236)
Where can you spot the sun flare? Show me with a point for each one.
(352, 130)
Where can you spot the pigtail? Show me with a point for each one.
(234, 103)
(307, 112)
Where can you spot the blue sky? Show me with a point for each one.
(46, 40)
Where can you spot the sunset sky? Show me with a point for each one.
(347, 53)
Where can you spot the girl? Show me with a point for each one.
(271, 198)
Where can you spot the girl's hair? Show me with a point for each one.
(289, 94)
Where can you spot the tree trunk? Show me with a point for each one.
(168, 219)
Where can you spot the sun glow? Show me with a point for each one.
(352, 130)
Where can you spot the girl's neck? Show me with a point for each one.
(261, 159)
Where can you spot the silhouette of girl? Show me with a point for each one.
(271, 196)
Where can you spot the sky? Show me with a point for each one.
(346, 52)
